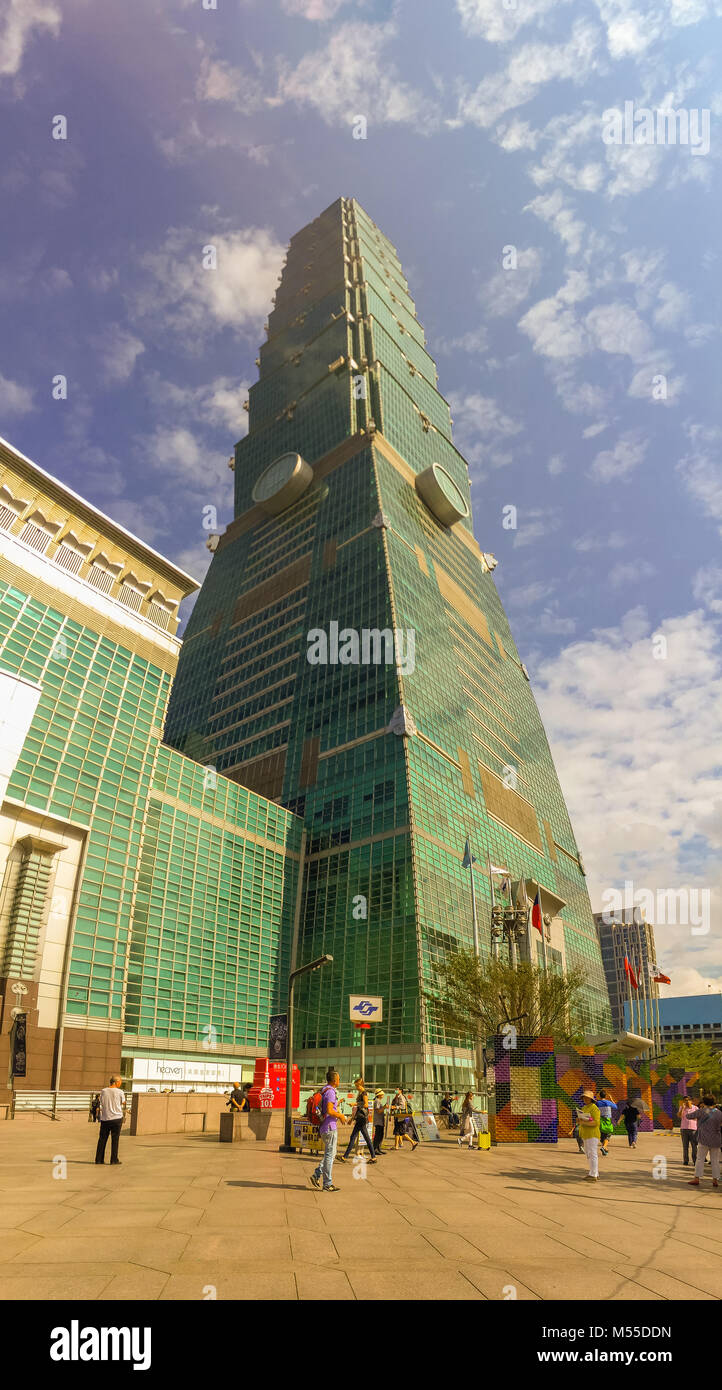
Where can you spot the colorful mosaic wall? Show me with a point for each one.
(536, 1089)
(526, 1092)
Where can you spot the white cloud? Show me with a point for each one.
(707, 587)
(507, 289)
(181, 456)
(479, 425)
(628, 453)
(673, 306)
(556, 465)
(617, 328)
(630, 572)
(313, 9)
(353, 75)
(516, 135)
(217, 403)
(193, 302)
(536, 523)
(621, 726)
(219, 81)
(594, 540)
(21, 19)
(527, 71)
(497, 23)
(118, 350)
(565, 134)
(528, 594)
(554, 330)
(552, 624)
(554, 209)
(14, 398)
(702, 476)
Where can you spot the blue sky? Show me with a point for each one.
(584, 382)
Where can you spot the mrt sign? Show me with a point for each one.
(365, 1008)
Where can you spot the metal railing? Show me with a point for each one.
(50, 1102)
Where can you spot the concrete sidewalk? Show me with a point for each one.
(188, 1218)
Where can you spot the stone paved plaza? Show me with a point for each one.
(184, 1213)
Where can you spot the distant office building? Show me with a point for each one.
(691, 1018)
(146, 904)
(625, 934)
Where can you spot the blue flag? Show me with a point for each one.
(468, 859)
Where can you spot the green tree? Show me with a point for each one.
(697, 1056)
(474, 997)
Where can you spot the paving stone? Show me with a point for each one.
(323, 1285)
(248, 1286)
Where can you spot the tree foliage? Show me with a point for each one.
(473, 996)
(697, 1056)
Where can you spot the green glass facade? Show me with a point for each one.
(346, 382)
(180, 904)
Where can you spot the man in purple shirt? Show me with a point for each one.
(328, 1132)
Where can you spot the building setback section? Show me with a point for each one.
(352, 507)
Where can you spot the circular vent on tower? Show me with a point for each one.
(282, 483)
(439, 491)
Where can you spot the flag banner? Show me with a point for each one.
(630, 974)
(660, 979)
(536, 914)
(494, 869)
(469, 858)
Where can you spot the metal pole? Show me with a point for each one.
(363, 1054)
(289, 1065)
(475, 923)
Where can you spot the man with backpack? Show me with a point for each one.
(325, 1112)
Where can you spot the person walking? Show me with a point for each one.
(112, 1114)
(95, 1108)
(410, 1121)
(330, 1115)
(360, 1123)
(588, 1121)
(445, 1109)
(399, 1110)
(630, 1116)
(575, 1130)
(379, 1121)
(605, 1106)
(468, 1123)
(709, 1140)
(688, 1129)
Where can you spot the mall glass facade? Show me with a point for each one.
(391, 764)
(147, 905)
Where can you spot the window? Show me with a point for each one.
(102, 578)
(130, 596)
(159, 615)
(36, 536)
(68, 558)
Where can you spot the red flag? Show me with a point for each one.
(629, 971)
(660, 979)
(536, 914)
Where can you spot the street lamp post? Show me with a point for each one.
(287, 1147)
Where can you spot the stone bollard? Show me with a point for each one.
(231, 1128)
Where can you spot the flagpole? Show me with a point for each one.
(475, 923)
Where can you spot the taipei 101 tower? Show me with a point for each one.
(349, 657)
